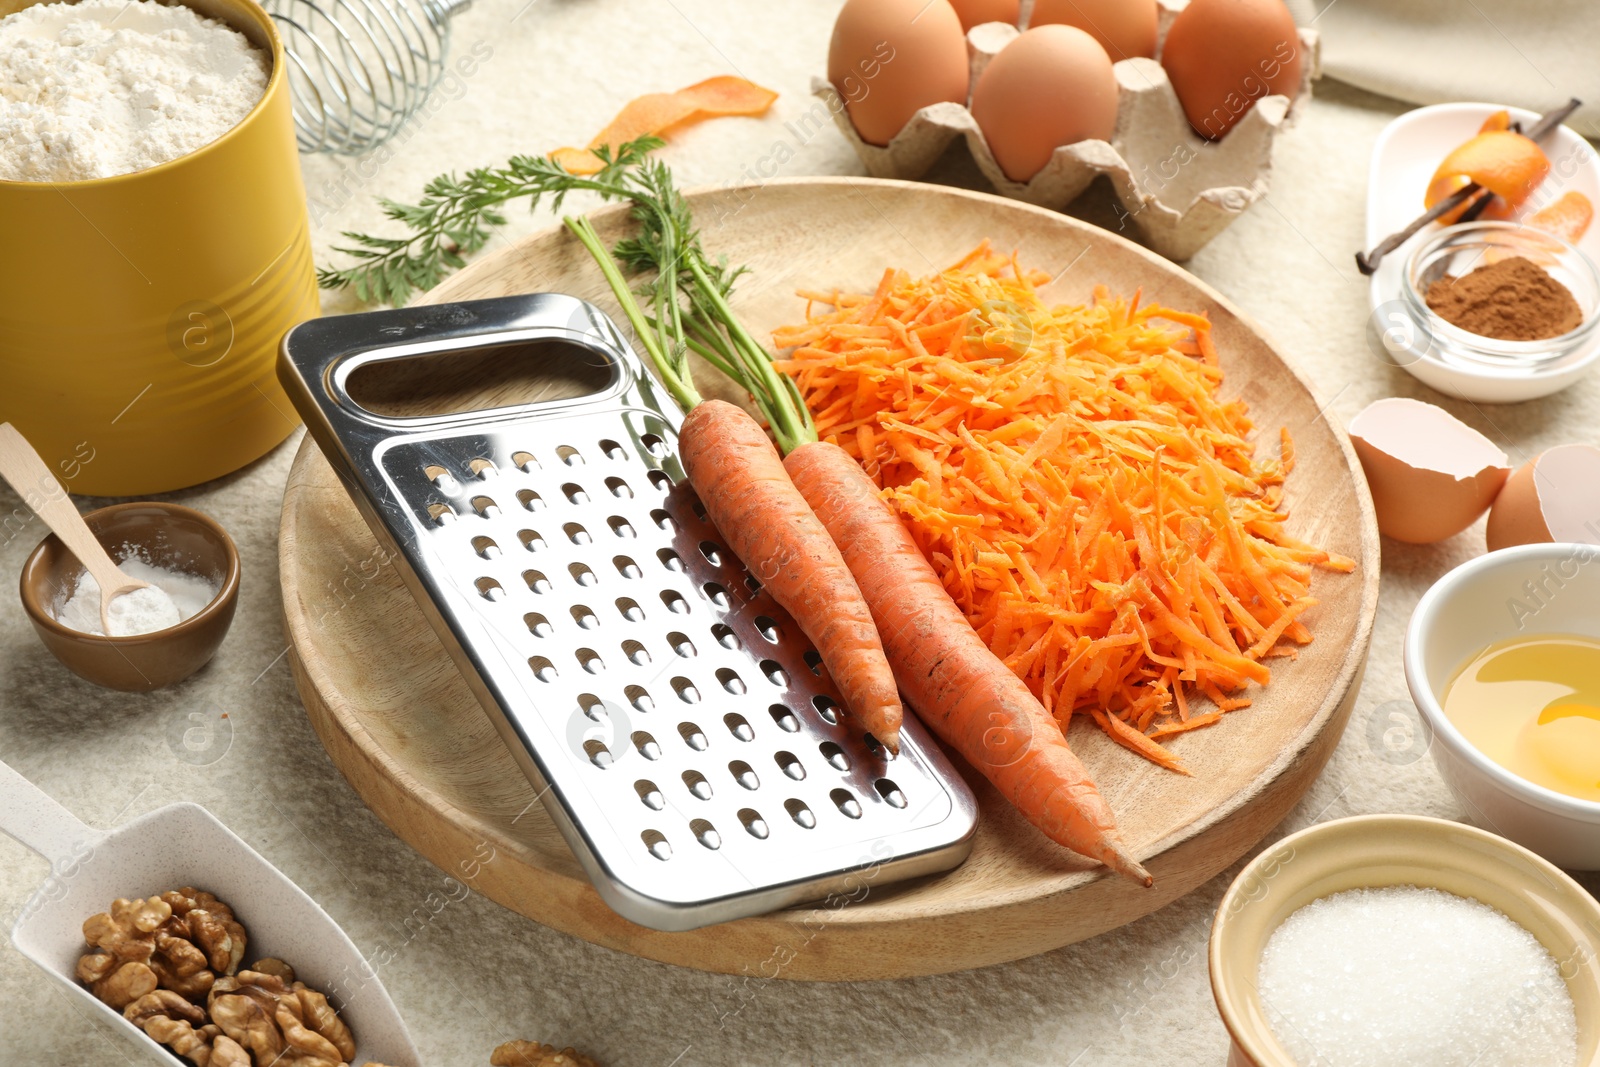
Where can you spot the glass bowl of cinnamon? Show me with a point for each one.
(1502, 295)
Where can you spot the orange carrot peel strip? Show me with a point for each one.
(655, 113)
(1507, 164)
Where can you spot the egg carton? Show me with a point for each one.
(1177, 190)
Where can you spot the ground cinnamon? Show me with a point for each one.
(1511, 299)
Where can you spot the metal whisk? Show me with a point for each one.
(358, 69)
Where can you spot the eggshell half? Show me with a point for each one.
(1430, 473)
(977, 12)
(1051, 86)
(890, 58)
(1125, 28)
(1556, 497)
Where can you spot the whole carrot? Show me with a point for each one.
(768, 524)
(962, 691)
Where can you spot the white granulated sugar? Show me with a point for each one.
(107, 87)
(1403, 975)
(171, 597)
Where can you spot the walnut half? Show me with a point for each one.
(535, 1054)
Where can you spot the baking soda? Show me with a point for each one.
(171, 597)
(106, 87)
(1404, 975)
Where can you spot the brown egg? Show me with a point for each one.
(1124, 28)
(890, 58)
(1224, 55)
(977, 12)
(1051, 86)
(1430, 473)
(1556, 497)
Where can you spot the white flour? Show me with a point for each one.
(107, 87)
(172, 597)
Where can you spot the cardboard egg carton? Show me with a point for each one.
(1177, 189)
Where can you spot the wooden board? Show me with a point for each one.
(408, 735)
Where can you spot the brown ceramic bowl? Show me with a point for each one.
(172, 536)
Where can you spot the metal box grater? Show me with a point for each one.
(680, 728)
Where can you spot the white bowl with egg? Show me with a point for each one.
(1551, 588)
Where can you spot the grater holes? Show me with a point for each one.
(485, 507)
(613, 450)
(645, 745)
(441, 514)
(626, 567)
(800, 813)
(543, 669)
(706, 834)
(725, 636)
(630, 609)
(661, 480)
(621, 526)
(636, 652)
(482, 468)
(674, 601)
(715, 593)
(834, 755)
(538, 625)
(753, 823)
(744, 774)
(712, 552)
(574, 493)
(670, 559)
(619, 488)
(751, 584)
(486, 547)
(490, 589)
(664, 520)
(693, 736)
(790, 764)
(784, 718)
(876, 747)
(577, 534)
(890, 792)
(827, 707)
(697, 785)
(592, 706)
(739, 726)
(813, 660)
(649, 794)
(699, 509)
(569, 455)
(524, 461)
(590, 660)
(531, 540)
(656, 843)
(686, 690)
(768, 628)
(639, 697)
(530, 500)
(537, 581)
(653, 444)
(582, 574)
(437, 475)
(775, 673)
(584, 617)
(681, 644)
(731, 681)
(846, 802)
(598, 753)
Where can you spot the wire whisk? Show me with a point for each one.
(358, 69)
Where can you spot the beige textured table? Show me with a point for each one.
(468, 974)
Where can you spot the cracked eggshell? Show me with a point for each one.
(1555, 497)
(1176, 189)
(1431, 474)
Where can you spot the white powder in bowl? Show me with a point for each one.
(106, 87)
(172, 597)
(1413, 976)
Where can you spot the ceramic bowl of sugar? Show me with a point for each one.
(156, 639)
(1398, 939)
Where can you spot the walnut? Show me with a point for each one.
(172, 1021)
(244, 1020)
(534, 1054)
(181, 943)
(276, 967)
(226, 1052)
(212, 926)
(117, 984)
(318, 1017)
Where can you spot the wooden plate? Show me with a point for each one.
(408, 735)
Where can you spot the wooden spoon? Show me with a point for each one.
(26, 471)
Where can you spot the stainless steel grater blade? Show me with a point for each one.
(676, 721)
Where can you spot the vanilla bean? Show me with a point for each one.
(1367, 262)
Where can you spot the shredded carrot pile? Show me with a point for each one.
(1094, 507)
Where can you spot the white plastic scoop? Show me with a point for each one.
(21, 466)
(184, 845)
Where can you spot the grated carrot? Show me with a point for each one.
(1091, 503)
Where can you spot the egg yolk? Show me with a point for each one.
(1565, 740)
